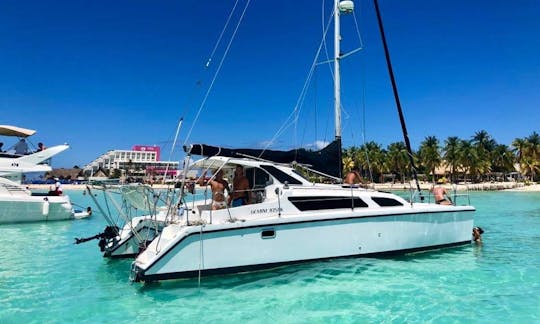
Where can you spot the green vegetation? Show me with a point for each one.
(478, 159)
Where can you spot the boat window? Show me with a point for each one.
(326, 202)
(280, 175)
(386, 202)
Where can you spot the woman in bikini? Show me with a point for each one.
(218, 186)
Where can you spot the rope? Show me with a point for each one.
(301, 98)
(217, 72)
(221, 35)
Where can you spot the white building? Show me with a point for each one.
(141, 161)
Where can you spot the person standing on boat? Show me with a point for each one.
(21, 148)
(240, 194)
(353, 177)
(218, 186)
(440, 194)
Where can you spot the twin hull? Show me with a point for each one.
(241, 247)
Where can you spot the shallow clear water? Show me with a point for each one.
(44, 277)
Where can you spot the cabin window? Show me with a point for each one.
(280, 175)
(268, 233)
(326, 202)
(386, 202)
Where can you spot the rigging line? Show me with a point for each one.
(172, 147)
(217, 71)
(221, 35)
(302, 93)
(358, 31)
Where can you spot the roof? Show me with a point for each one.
(8, 130)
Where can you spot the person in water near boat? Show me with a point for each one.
(218, 186)
(240, 194)
(353, 177)
(440, 193)
(477, 234)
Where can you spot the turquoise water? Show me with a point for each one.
(44, 277)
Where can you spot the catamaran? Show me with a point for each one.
(290, 219)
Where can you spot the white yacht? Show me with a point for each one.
(19, 205)
(290, 219)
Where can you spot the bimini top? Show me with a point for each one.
(8, 130)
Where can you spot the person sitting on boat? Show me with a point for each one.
(21, 147)
(240, 194)
(1, 147)
(440, 193)
(40, 147)
(353, 177)
(218, 186)
(58, 187)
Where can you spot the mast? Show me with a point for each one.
(337, 74)
(340, 6)
(396, 97)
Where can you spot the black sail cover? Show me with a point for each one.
(325, 160)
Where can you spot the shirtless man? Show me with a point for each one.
(240, 194)
(440, 194)
(353, 177)
(218, 186)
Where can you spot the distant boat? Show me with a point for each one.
(289, 219)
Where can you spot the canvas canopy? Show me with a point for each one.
(8, 130)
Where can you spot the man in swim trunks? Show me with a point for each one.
(218, 186)
(240, 194)
(440, 194)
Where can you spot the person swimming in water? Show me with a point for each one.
(477, 234)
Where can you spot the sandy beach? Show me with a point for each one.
(485, 186)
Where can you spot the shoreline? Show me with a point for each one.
(484, 186)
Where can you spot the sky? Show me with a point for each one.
(104, 75)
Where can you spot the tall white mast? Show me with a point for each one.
(337, 76)
(340, 6)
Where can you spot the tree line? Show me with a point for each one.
(475, 159)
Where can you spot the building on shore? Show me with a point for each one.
(141, 163)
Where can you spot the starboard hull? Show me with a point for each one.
(236, 248)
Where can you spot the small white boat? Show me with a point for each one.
(80, 214)
(19, 205)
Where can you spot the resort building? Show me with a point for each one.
(142, 162)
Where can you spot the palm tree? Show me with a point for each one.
(451, 155)
(484, 145)
(397, 160)
(469, 160)
(371, 157)
(429, 154)
(502, 159)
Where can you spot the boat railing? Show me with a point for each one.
(458, 197)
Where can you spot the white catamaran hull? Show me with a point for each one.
(142, 230)
(262, 244)
(20, 209)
